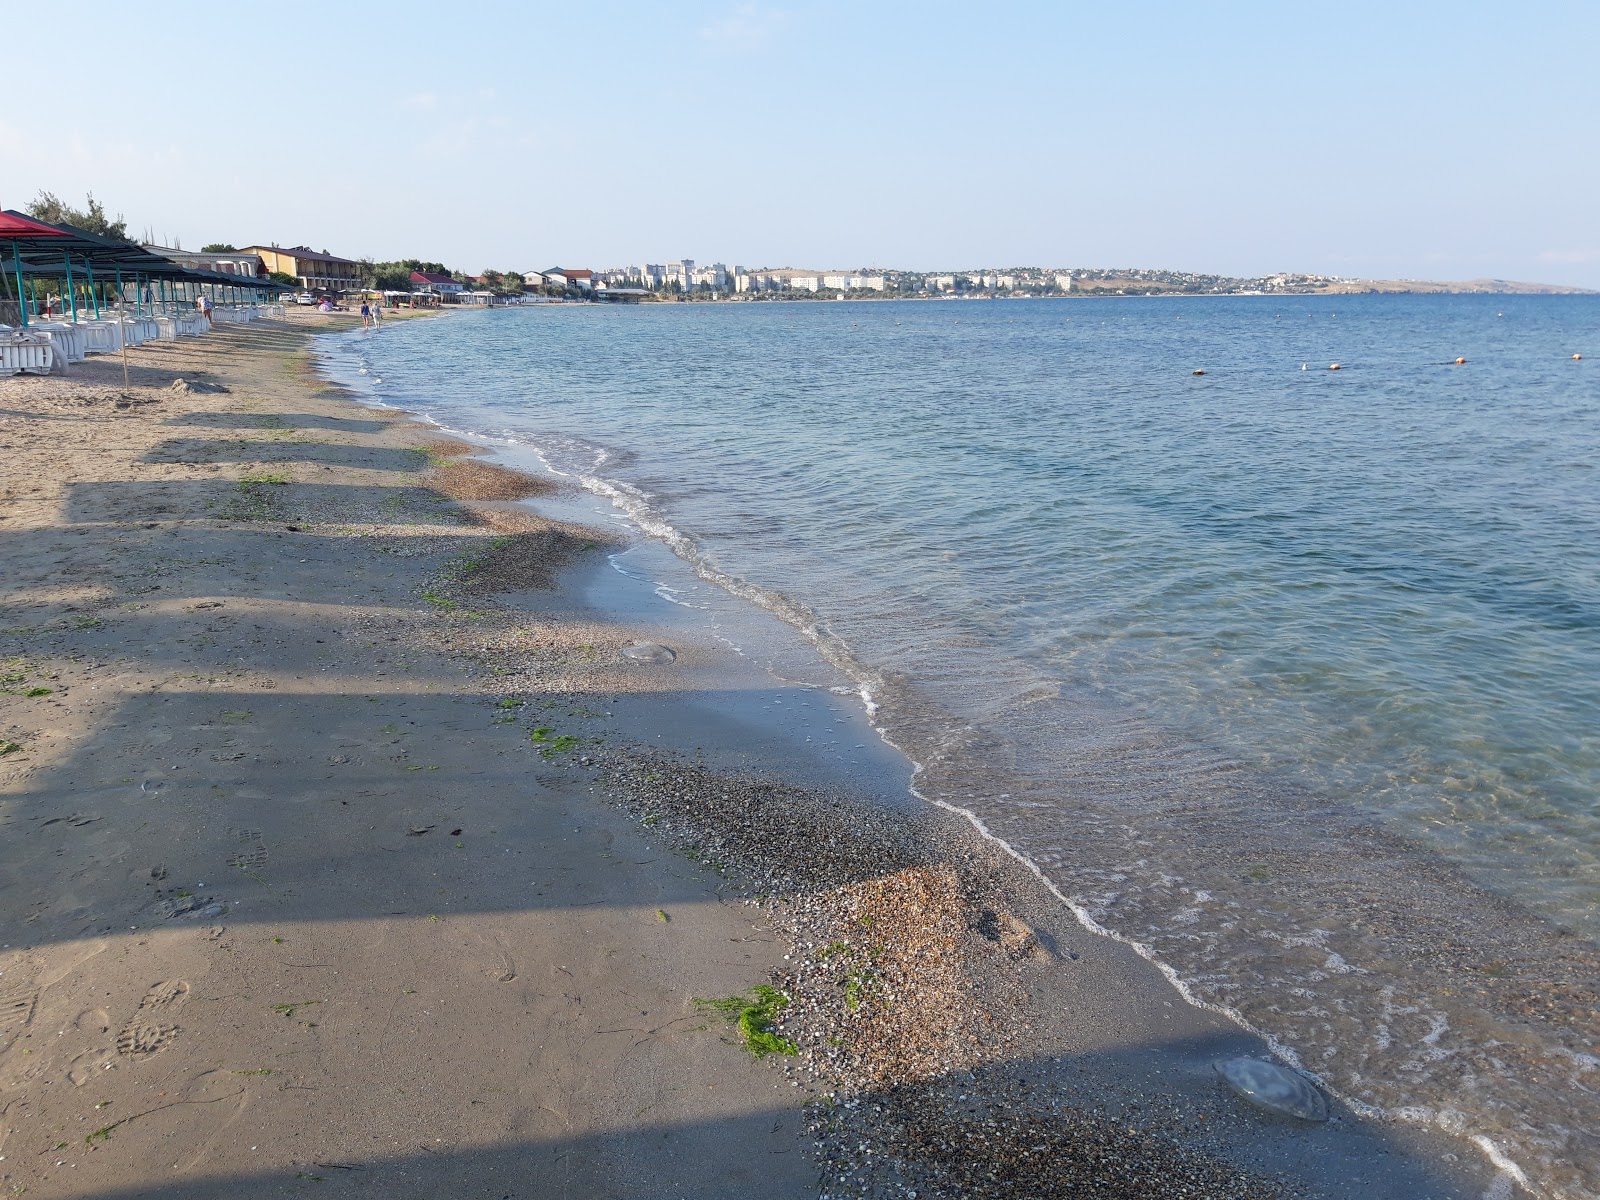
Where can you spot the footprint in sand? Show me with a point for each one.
(167, 994)
(89, 1065)
(254, 856)
(94, 1022)
(19, 1000)
(16, 1010)
(211, 1101)
(141, 1039)
(496, 961)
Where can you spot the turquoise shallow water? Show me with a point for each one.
(1290, 676)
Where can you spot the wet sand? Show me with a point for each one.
(345, 849)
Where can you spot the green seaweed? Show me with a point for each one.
(552, 743)
(753, 1016)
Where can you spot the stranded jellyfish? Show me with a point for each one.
(650, 652)
(1269, 1086)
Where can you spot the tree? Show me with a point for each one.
(218, 248)
(284, 277)
(396, 276)
(52, 209)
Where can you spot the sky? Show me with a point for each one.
(1395, 140)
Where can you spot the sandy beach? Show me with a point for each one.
(351, 849)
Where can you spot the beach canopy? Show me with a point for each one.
(40, 247)
(15, 225)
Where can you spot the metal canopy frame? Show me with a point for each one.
(40, 249)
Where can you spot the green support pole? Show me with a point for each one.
(72, 294)
(120, 296)
(164, 306)
(94, 296)
(22, 304)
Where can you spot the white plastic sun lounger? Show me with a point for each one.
(101, 337)
(68, 340)
(23, 354)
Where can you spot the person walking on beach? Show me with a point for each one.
(366, 316)
(377, 312)
(203, 303)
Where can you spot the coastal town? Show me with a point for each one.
(318, 272)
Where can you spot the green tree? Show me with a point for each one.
(93, 219)
(218, 248)
(283, 277)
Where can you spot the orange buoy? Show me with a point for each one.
(1333, 366)
(1459, 361)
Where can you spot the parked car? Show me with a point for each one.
(305, 298)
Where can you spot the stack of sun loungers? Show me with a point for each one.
(68, 339)
(24, 353)
(101, 337)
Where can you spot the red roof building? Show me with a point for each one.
(432, 281)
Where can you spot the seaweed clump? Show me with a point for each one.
(754, 1017)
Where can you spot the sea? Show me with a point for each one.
(1287, 675)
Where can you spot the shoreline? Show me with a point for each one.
(966, 826)
(1316, 867)
(446, 586)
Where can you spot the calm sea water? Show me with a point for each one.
(1289, 676)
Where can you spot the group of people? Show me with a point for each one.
(371, 314)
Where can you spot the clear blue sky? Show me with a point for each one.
(1424, 140)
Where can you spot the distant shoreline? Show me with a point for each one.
(1106, 294)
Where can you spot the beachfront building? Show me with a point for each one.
(435, 283)
(580, 278)
(317, 270)
(229, 262)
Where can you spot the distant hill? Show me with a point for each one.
(1495, 287)
(1156, 282)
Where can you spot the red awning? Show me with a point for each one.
(13, 225)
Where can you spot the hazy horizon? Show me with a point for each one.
(1431, 142)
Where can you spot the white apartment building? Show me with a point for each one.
(1005, 281)
(805, 283)
(836, 281)
(943, 283)
(1064, 282)
(715, 276)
